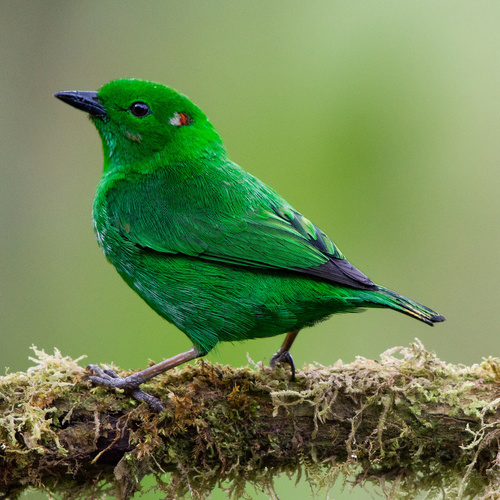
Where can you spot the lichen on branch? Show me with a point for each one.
(408, 422)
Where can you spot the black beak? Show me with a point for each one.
(86, 101)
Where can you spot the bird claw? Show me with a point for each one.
(105, 377)
(130, 385)
(283, 357)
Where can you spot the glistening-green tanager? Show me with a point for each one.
(207, 245)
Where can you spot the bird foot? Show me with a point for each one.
(283, 357)
(130, 385)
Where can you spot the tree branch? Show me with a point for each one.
(408, 422)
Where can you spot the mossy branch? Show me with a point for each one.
(408, 422)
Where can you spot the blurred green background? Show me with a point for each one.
(377, 120)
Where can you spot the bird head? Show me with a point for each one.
(141, 121)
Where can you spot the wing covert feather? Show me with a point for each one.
(233, 226)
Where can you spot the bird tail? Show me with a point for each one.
(393, 300)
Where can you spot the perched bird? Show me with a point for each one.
(207, 245)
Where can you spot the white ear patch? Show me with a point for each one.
(180, 119)
(175, 120)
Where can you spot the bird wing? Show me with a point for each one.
(231, 225)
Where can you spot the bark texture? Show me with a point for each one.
(408, 422)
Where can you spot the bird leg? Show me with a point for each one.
(131, 383)
(283, 355)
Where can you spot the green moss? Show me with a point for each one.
(379, 421)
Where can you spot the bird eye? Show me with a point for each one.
(140, 109)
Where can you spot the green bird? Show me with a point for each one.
(207, 245)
